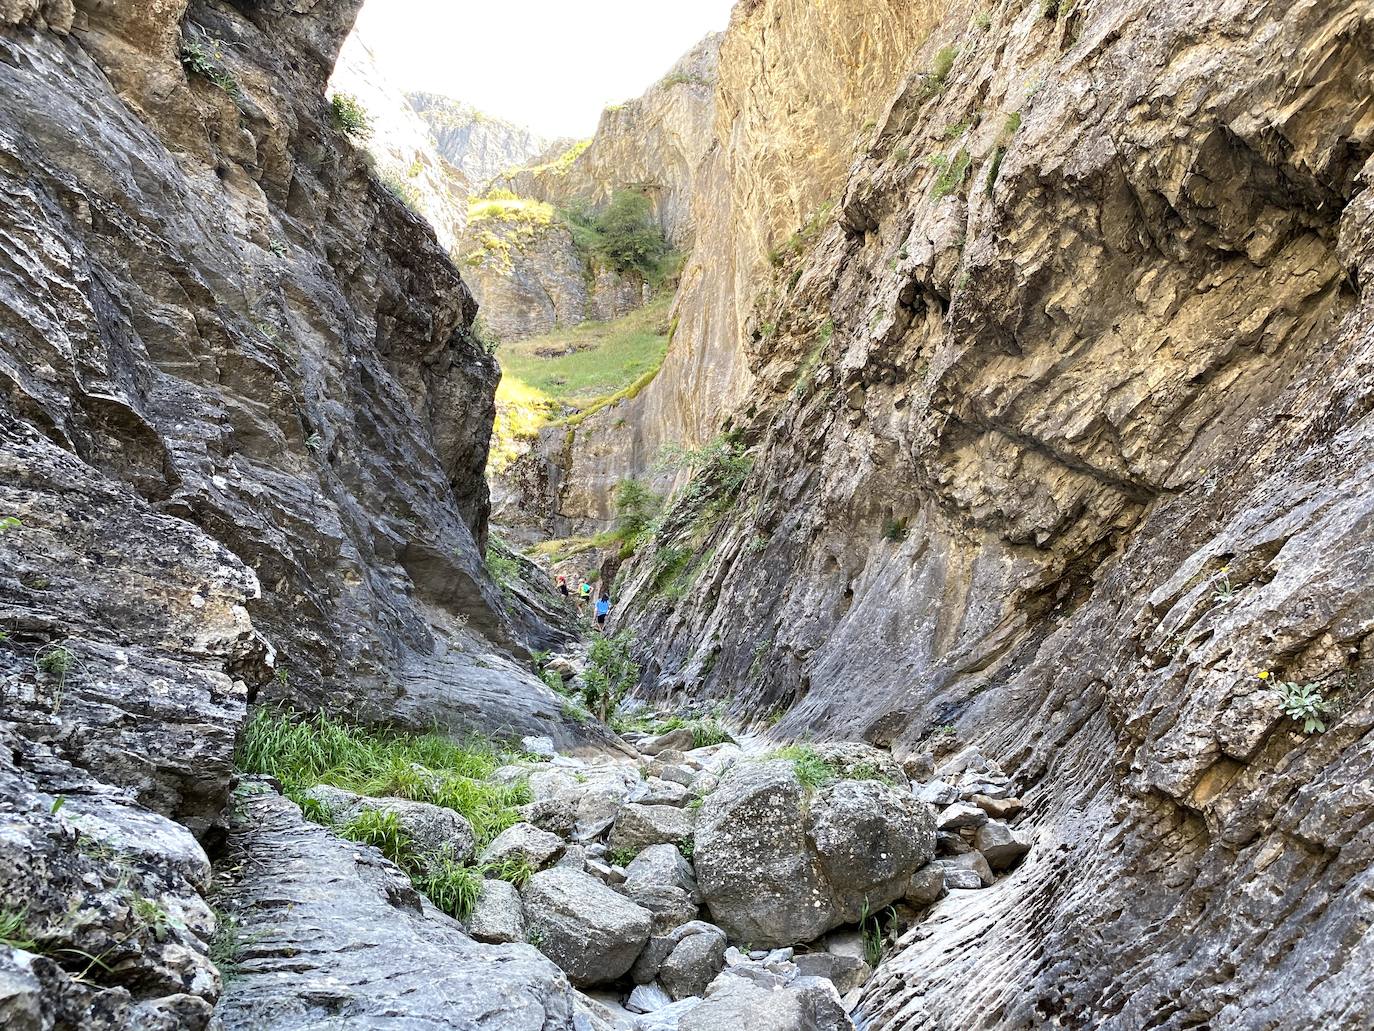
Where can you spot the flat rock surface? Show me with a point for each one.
(332, 935)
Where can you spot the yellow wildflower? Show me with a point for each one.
(1263, 674)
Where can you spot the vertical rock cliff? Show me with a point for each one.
(1058, 441)
(243, 429)
(480, 146)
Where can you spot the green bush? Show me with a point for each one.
(940, 68)
(625, 236)
(202, 54)
(952, 174)
(502, 565)
(350, 117)
(635, 508)
(610, 673)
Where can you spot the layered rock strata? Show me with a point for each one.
(1060, 438)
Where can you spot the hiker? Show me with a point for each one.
(584, 595)
(603, 609)
(563, 587)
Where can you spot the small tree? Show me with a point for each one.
(635, 507)
(350, 117)
(610, 673)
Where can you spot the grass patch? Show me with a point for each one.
(302, 751)
(940, 67)
(504, 206)
(952, 173)
(584, 364)
(811, 768)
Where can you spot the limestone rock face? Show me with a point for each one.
(406, 160)
(1059, 436)
(529, 278)
(478, 145)
(656, 144)
(797, 82)
(242, 434)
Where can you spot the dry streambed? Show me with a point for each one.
(732, 885)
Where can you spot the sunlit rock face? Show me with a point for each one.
(797, 87)
(478, 145)
(1059, 431)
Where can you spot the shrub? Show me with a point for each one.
(635, 507)
(383, 832)
(502, 565)
(940, 68)
(625, 236)
(451, 886)
(610, 673)
(202, 54)
(952, 174)
(894, 529)
(349, 116)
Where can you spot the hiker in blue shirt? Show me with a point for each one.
(603, 609)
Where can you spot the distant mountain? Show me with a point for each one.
(476, 143)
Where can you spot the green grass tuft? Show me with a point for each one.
(812, 769)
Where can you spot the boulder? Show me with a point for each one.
(777, 865)
(661, 946)
(970, 870)
(597, 810)
(540, 747)
(434, 831)
(869, 839)
(647, 998)
(693, 964)
(961, 814)
(524, 841)
(927, 885)
(678, 740)
(951, 843)
(683, 776)
(498, 917)
(656, 791)
(937, 793)
(739, 999)
(662, 864)
(554, 815)
(638, 826)
(845, 972)
(1000, 845)
(998, 808)
(574, 857)
(593, 933)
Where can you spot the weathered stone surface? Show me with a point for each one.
(741, 997)
(497, 917)
(338, 934)
(434, 831)
(524, 841)
(845, 972)
(638, 826)
(1001, 846)
(590, 931)
(693, 964)
(777, 867)
(478, 144)
(679, 740)
(868, 839)
(927, 885)
(960, 815)
(1093, 377)
(966, 870)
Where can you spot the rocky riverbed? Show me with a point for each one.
(736, 884)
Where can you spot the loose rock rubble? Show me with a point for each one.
(729, 886)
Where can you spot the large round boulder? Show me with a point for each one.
(778, 863)
(593, 933)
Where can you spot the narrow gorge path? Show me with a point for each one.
(695, 878)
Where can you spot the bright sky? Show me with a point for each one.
(551, 65)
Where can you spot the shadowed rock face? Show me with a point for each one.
(1015, 412)
(242, 433)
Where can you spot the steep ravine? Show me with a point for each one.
(243, 428)
(1059, 438)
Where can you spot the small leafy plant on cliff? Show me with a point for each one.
(1302, 703)
(349, 116)
(204, 55)
(940, 67)
(952, 173)
(55, 662)
(502, 565)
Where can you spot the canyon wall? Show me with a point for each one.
(799, 85)
(480, 146)
(654, 144)
(1060, 443)
(243, 428)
